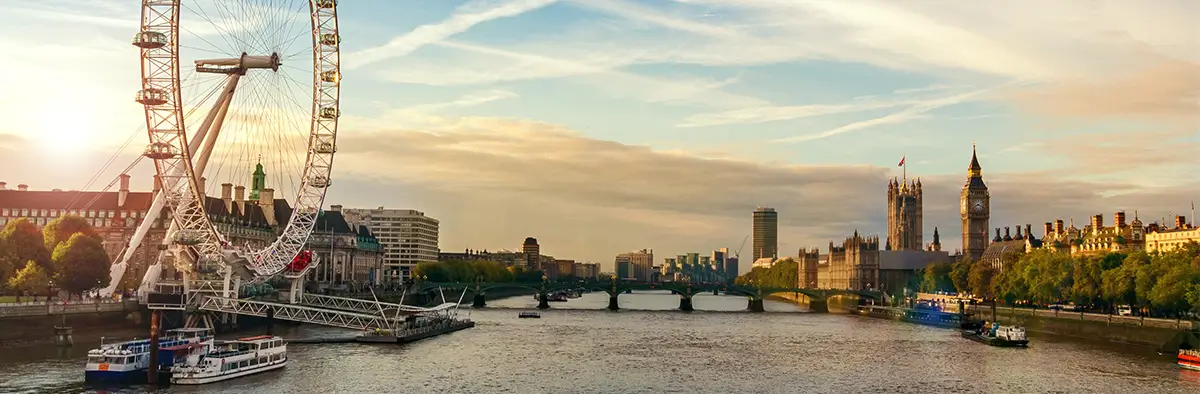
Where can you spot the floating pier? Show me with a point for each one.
(417, 333)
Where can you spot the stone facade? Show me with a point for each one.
(905, 221)
(975, 208)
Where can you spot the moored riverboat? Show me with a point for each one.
(128, 361)
(1188, 359)
(997, 335)
(225, 360)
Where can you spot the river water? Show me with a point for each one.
(647, 348)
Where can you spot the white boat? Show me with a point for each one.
(226, 360)
(128, 361)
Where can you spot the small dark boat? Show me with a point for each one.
(1001, 336)
(529, 315)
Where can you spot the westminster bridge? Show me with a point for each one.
(754, 294)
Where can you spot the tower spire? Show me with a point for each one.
(975, 169)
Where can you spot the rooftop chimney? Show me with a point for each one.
(239, 197)
(1028, 231)
(22, 187)
(1048, 228)
(1097, 223)
(266, 201)
(1180, 222)
(997, 239)
(3, 185)
(227, 196)
(1007, 234)
(123, 192)
(1058, 226)
(335, 208)
(1018, 237)
(1119, 219)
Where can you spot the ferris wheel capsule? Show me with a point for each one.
(319, 181)
(331, 76)
(189, 237)
(325, 148)
(151, 96)
(159, 150)
(331, 39)
(147, 39)
(330, 113)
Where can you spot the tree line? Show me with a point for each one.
(66, 254)
(784, 274)
(469, 270)
(1162, 283)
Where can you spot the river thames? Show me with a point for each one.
(639, 350)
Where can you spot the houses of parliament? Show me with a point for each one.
(859, 263)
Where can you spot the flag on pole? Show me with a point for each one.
(901, 162)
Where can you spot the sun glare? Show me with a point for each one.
(62, 134)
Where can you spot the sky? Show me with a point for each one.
(601, 127)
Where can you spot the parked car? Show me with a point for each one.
(1124, 310)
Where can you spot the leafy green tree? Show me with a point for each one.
(1118, 285)
(980, 279)
(20, 241)
(937, 277)
(62, 228)
(81, 264)
(1087, 277)
(468, 271)
(1170, 292)
(960, 274)
(784, 274)
(31, 279)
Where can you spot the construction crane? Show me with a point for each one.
(738, 253)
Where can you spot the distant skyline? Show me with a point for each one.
(602, 127)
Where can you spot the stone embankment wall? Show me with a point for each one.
(1125, 329)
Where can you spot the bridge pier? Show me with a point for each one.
(478, 301)
(755, 305)
(715, 292)
(685, 304)
(818, 306)
(543, 301)
(612, 303)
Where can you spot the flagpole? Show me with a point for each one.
(904, 159)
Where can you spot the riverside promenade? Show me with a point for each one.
(58, 307)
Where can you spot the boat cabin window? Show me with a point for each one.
(95, 359)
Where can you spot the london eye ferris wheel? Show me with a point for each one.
(229, 86)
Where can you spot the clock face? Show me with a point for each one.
(977, 206)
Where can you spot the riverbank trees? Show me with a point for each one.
(784, 274)
(68, 251)
(1160, 284)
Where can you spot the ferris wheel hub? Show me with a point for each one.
(239, 65)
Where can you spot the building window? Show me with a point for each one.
(4, 212)
(24, 212)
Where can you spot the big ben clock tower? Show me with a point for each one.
(976, 209)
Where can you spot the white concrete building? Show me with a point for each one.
(408, 238)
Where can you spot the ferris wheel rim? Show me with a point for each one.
(180, 182)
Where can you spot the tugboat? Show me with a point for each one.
(128, 361)
(997, 335)
(231, 359)
(1189, 359)
(529, 315)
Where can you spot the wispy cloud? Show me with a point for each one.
(657, 90)
(464, 17)
(904, 115)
